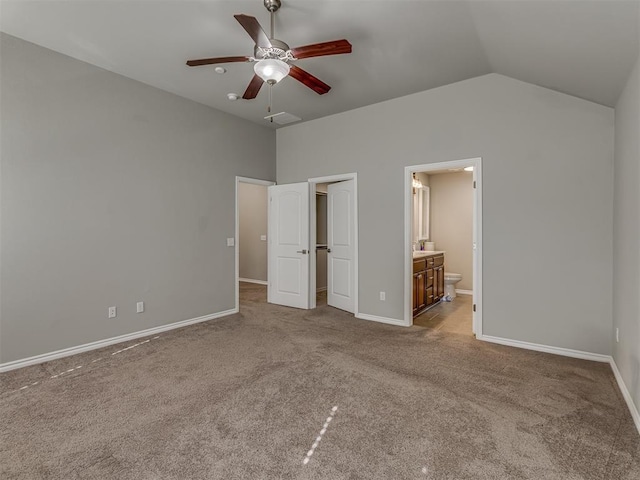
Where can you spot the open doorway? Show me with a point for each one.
(334, 236)
(443, 246)
(251, 266)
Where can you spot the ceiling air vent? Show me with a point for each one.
(282, 118)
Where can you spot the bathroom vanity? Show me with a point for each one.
(428, 279)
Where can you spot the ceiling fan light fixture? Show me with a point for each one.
(271, 70)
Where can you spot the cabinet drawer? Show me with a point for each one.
(438, 260)
(429, 299)
(429, 274)
(429, 262)
(419, 265)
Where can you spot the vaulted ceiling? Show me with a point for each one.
(582, 48)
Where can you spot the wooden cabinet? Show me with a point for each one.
(419, 289)
(419, 292)
(438, 289)
(428, 282)
(438, 278)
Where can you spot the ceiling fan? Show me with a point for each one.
(273, 57)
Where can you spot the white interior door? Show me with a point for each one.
(341, 245)
(288, 256)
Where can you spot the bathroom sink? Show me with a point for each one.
(425, 253)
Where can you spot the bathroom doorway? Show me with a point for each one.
(251, 238)
(443, 260)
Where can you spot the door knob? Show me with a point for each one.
(304, 252)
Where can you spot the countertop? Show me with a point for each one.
(425, 253)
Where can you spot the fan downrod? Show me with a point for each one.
(272, 5)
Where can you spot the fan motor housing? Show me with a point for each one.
(278, 49)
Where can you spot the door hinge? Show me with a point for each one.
(474, 184)
(474, 307)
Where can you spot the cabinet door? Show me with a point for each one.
(421, 292)
(438, 282)
(415, 293)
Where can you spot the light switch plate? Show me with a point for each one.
(231, 242)
(263, 238)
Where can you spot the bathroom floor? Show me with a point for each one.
(452, 317)
(321, 298)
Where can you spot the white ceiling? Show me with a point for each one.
(583, 48)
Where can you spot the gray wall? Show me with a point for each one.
(548, 188)
(252, 210)
(112, 192)
(452, 222)
(626, 236)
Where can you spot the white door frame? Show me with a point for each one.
(476, 163)
(312, 233)
(253, 181)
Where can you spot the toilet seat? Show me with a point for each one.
(452, 276)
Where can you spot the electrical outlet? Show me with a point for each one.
(112, 312)
(617, 335)
(383, 296)
(231, 242)
(139, 307)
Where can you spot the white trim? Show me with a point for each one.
(312, 234)
(47, 357)
(625, 393)
(565, 352)
(251, 280)
(464, 292)
(376, 318)
(476, 163)
(253, 181)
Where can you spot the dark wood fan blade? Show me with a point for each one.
(253, 88)
(321, 49)
(211, 61)
(309, 80)
(253, 28)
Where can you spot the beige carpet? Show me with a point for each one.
(252, 396)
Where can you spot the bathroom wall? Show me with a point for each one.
(252, 212)
(452, 222)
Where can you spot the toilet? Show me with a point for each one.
(450, 280)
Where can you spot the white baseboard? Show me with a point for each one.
(251, 280)
(565, 352)
(47, 357)
(375, 318)
(625, 393)
(460, 291)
